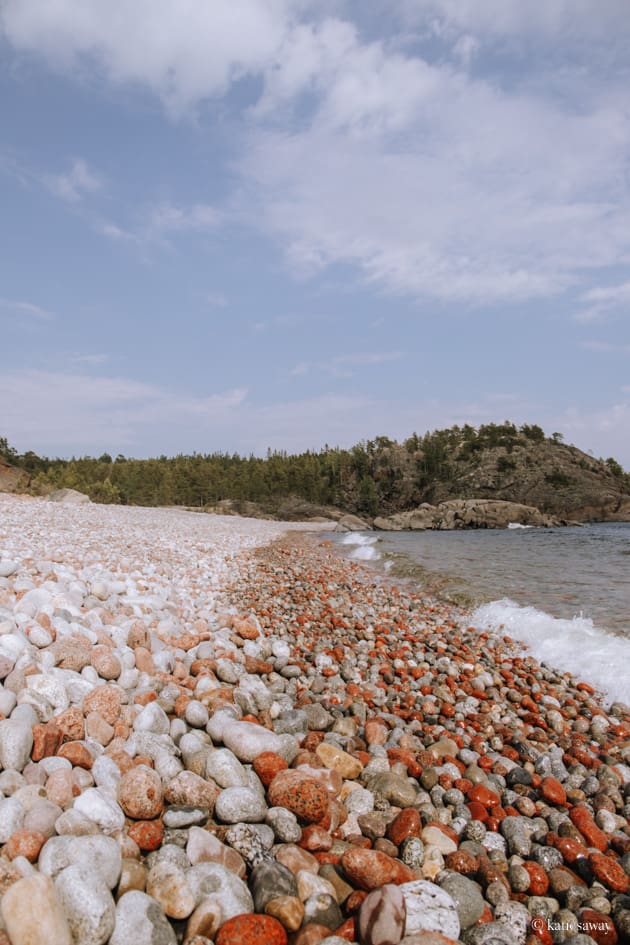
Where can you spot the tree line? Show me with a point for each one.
(378, 475)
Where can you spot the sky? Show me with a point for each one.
(234, 225)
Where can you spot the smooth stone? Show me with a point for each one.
(88, 904)
(177, 818)
(322, 909)
(206, 920)
(467, 898)
(284, 824)
(100, 855)
(395, 789)
(152, 719)
(338, 760)
(237, 805)
(429, 909)
(140, 920)
(381, 919)
(211, 880)
(11, 817)
(269, 880)
(247, 740)
(492, 933)
(140, 793)
(167, 884)
(32, 913)
(225, 769)
(102, 809)
(288, 910)
(16, 743)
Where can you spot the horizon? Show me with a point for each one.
(272, 224)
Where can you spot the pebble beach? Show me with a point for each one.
(217, 730)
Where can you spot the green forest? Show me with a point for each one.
(375, 476)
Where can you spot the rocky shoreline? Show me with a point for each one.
(203, 742)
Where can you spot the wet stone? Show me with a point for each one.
(269, 880)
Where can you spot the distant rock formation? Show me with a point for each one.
(466, 513)
(69, 497)
(10, 477)
(352, 523)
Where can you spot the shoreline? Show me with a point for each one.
(214, 737)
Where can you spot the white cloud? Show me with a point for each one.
(602, 299)
(428, 181)
(168, 217)
(64, 414)
(28, 309)
(568, 19)
(47, 410)
(162, 222)
(74, 185)
(185, 51)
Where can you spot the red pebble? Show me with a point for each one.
(77, 754)
(26, 843)
(315, 839)
(540, 931)
(304, 796)
(538, 879)
(552, 791)
(483, 795)
(599, 926)
(267, 765)
(582, 819)
(346, 930)
(405, 824)
(608, 872)
(477, 811)
(354, 900)
(370, 869)
(570, 849)
(148, 834)
(251, 929)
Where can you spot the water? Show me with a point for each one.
(565, 592)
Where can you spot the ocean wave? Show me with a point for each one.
(576, 645)
(364, 546)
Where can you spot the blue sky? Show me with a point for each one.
(241, 224)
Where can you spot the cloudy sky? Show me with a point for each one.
(241, 224)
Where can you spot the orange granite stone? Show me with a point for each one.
(252, 929)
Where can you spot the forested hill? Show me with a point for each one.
(377, 477)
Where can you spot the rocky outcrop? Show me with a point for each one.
(69, 497)
(466, 513)
(352, 523)
(10, 477)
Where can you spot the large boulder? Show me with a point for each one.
(488, 513)
(69, 497)
(465, 513)
(352, 523)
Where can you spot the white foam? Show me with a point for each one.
(358, 538)
(364, 546)
(576, 645)
(518, 525)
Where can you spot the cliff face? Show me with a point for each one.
(10, 477)
(560, 480)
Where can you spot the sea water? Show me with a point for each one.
(564, 592)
